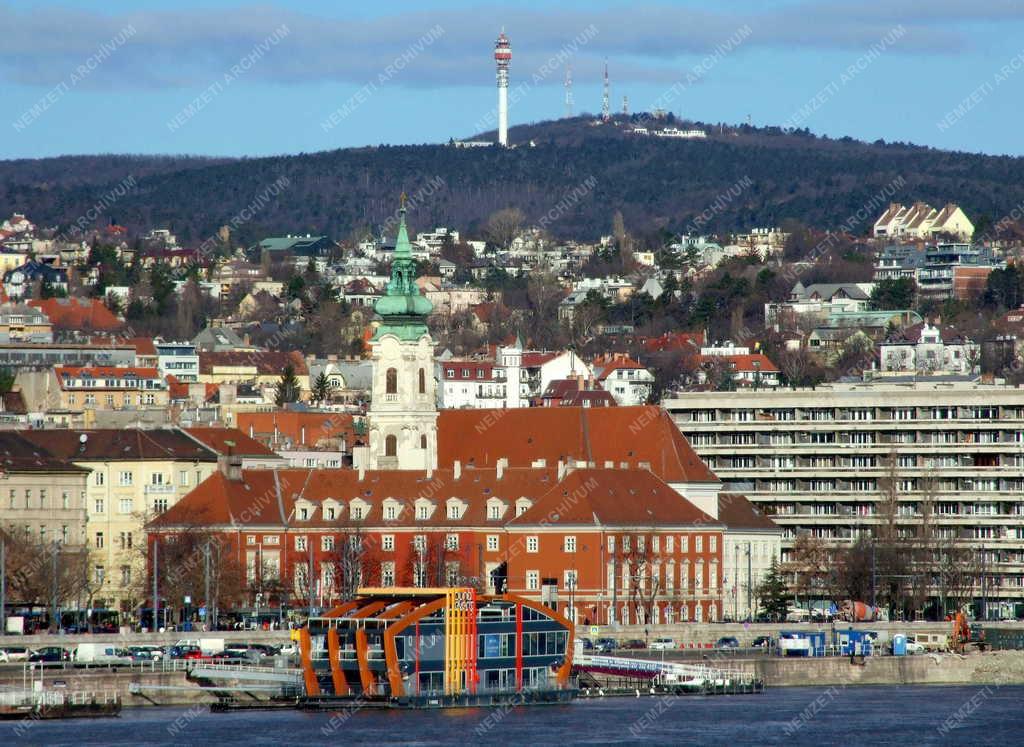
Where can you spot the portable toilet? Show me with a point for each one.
(899, 644)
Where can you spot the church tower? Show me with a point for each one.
(403, 408)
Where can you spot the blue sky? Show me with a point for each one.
(230, 78)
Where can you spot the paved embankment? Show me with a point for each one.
(989, 668)
(143, 639)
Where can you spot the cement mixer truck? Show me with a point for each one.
(851, 611)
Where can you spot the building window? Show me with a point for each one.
(451, 542)
(611, 545)
(532, 580)
(391, 381)
(98, 575)
(327, 544)
(65, 500)
(159, 505)
(124, 506)
(387, 542)
(300, 544)
(183, 478)
(570, 580)
(698, 543)
(423, 381)
(423, 512)
(419, 543)
(390, 512)
(390, 446)
(126, 575)
(570, 544)
(492, 543)
(250, 539)
(684, 544)
(713, 543)
(99, 540)
(532, 543)
(125, 479)
(387, 573)
(99, 506)
(670, 544)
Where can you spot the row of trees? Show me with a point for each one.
(900, 558)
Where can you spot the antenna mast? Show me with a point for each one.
(606, 112)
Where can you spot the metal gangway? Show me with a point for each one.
(671, 673)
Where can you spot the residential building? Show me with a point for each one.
(42, 496)
(827, 461)
(85, 390)
(262, 368)
(177, 359)
(930, 349)
(752, 543)
(78, 316)
(817, 301)
(28, 355)
(20, 282)
(576, 392)
(922, 221)
(23, 323)
(625, 379)
(134, 476)
(956, 271)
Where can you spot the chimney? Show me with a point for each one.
(501, 465)
(457, 470)
(362, 472)
(230, 466)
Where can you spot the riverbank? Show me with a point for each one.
(174, 688)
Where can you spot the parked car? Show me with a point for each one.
(633, 643)
(585, 643)
(14, 653)
(727, 641)
(604, 645)
(50, 654)
(913, 646)
(185, 652)
(662, 644)
(762, 641)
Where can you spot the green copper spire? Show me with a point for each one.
(403, 309)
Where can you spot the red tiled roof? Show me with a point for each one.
(241, 444)
(736, 512)
(751, 362)
(534, 359)
(84, 314)
(524, 435)
(673, 341)
(266, 363)
(119, 444)
(105, 372)
(612, 497)
(267, 497)
(297, 428)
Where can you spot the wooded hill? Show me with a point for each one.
(657, 183)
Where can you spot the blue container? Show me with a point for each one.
(899, 645)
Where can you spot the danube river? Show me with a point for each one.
(890, 715)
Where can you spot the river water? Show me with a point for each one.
(892, 715)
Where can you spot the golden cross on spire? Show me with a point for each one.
(403, 199)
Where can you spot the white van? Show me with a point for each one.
(208, 646)
(102, 654)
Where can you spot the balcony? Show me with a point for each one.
(163, 489)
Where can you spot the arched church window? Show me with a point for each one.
(391, 445)
(391, 383)
(423, 381)
(423, 439)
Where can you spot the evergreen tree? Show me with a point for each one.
(287, 387)
(321, 388)
(773, 594)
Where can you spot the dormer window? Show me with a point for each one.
(495, 509)
(358, 509)
(455, 508)
(424, 509)
(523, 505)
(392, 509)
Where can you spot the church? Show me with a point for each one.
(606, 514)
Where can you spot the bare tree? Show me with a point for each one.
(504, 225)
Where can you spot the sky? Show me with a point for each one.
(238, 79)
